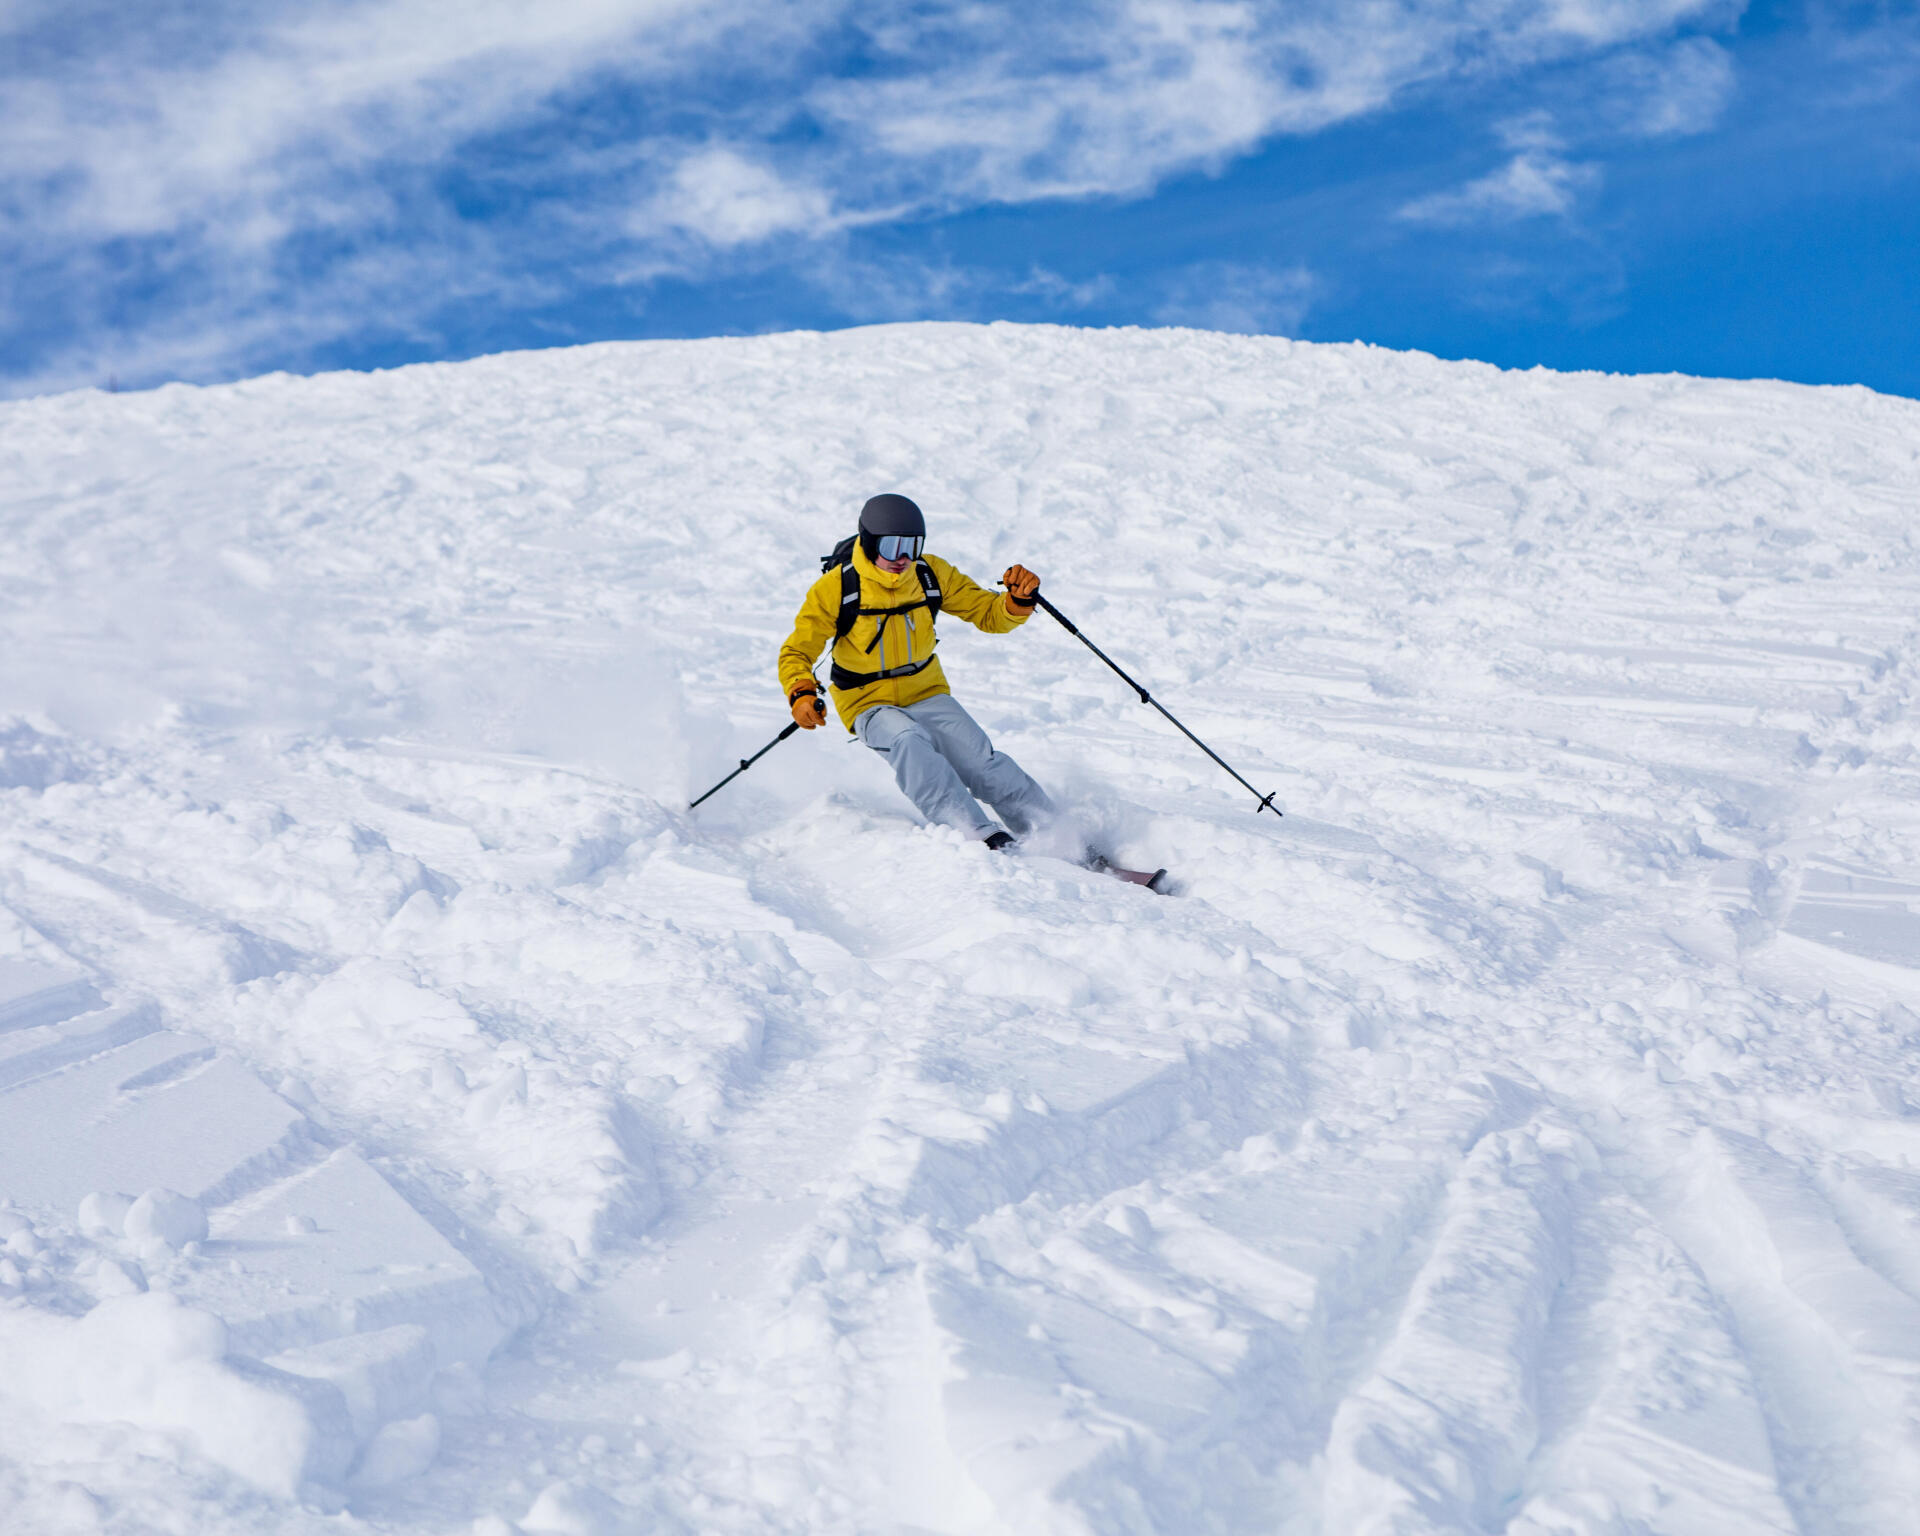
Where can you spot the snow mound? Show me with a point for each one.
(409, 1111)
(143, 1311)
(33, 759)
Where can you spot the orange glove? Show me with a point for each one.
(808, 711)
(1021, 585)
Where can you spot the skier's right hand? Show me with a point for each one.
(808, 711)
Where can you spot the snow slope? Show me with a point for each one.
(1519, 1136)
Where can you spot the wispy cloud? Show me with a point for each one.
(906, 287)
(1641, 93)
(1008, 104)
(233, 166)
(1881, 60)
(134, 125)
(1664, 93)
(720, 196)
(1238, 296)
(1063, 294)
(1537, 182)
(869, 291)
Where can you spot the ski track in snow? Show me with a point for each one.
(1518, 1137)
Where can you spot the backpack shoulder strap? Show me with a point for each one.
(929, 586)
(849, 609)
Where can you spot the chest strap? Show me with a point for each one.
(851, 610)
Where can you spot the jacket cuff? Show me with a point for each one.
(812, 688)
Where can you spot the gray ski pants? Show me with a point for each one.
(942, 761)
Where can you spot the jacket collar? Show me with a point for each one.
(892, 581)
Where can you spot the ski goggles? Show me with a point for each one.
(899, 546)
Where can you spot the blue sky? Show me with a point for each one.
(204, 189)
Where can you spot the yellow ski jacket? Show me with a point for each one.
(903, 639)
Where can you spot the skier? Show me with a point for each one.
(875, 605)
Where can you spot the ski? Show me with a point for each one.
(1099, 863)
(1155, 882)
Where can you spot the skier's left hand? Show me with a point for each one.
(1022, 586)
(808, 712)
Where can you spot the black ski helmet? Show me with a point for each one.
(889, 514)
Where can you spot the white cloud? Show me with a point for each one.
(1102, 102)
(898, 289)
(1114, 96)
(1530, 185)
(1679, 90)
(1538, 182)
(725, 199)
(241, 320)
(1879, 61)
(1238, 296)
(996, 101)
(1531, 132)
(911, 288)
(275, 131)
(1063, 294)
(129, 142)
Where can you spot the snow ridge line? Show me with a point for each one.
(242, 954)
(46, 1048)
(1303, 1285)
(1836, 1346)
(1439, 1435)
(1216, 1096)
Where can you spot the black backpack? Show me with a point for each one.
(850, 610)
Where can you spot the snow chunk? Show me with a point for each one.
(148, 1361)
(402, 1449)
(375, 1006)
(32, 759)
(104, 1214)
(167, 1218)
(380, 1375)
(105, 1277)
(573, 1509)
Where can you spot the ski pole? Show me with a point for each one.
(748, 762)
(1266, 801)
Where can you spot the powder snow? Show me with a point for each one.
(414, 1120)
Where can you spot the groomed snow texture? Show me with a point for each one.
(413, 1120)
